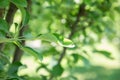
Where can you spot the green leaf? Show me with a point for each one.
(76, 57)
(48, 37)
(22, 3)
(4, 3)
(85, 60)
(3, 58)
(57, 70)
(3, 29)
(105, 53)
(57, 39)
(25, 16)
(117, 9)
(2, 35)
(13, 68)
(3, 26)
(64, 41)
(32, 52)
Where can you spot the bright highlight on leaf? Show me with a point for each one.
(66, 43)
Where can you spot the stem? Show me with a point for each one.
(10, 15)
(18, 52)
(62, 55)
(81, 12)
(9, 18)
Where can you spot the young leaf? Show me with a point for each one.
(48, 37)
(57, 70)
(64, 42)
(57, 39)
(32, 52)
(22, 3)
(105, 53)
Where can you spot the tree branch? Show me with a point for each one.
(81, 12)
(10, 15)
(18, 52)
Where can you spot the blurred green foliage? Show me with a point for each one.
(69, 33)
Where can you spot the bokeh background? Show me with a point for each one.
(96, 55)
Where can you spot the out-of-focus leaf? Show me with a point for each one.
(3, 40)
(117, 9)
(43, 77)
(4, 3)
(27, 34)
(82, 58)
(32, 52)
(13, 68)
(2, 35)
(64, 41)
(87, 2)
(85, 60)
(3, 58)
(105, 53)
(76, 57)
(48, 37)
(3, 25)
(22, 3)
(25, 15)
(57, 70)
(43, 66)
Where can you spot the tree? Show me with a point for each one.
(63, 27)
